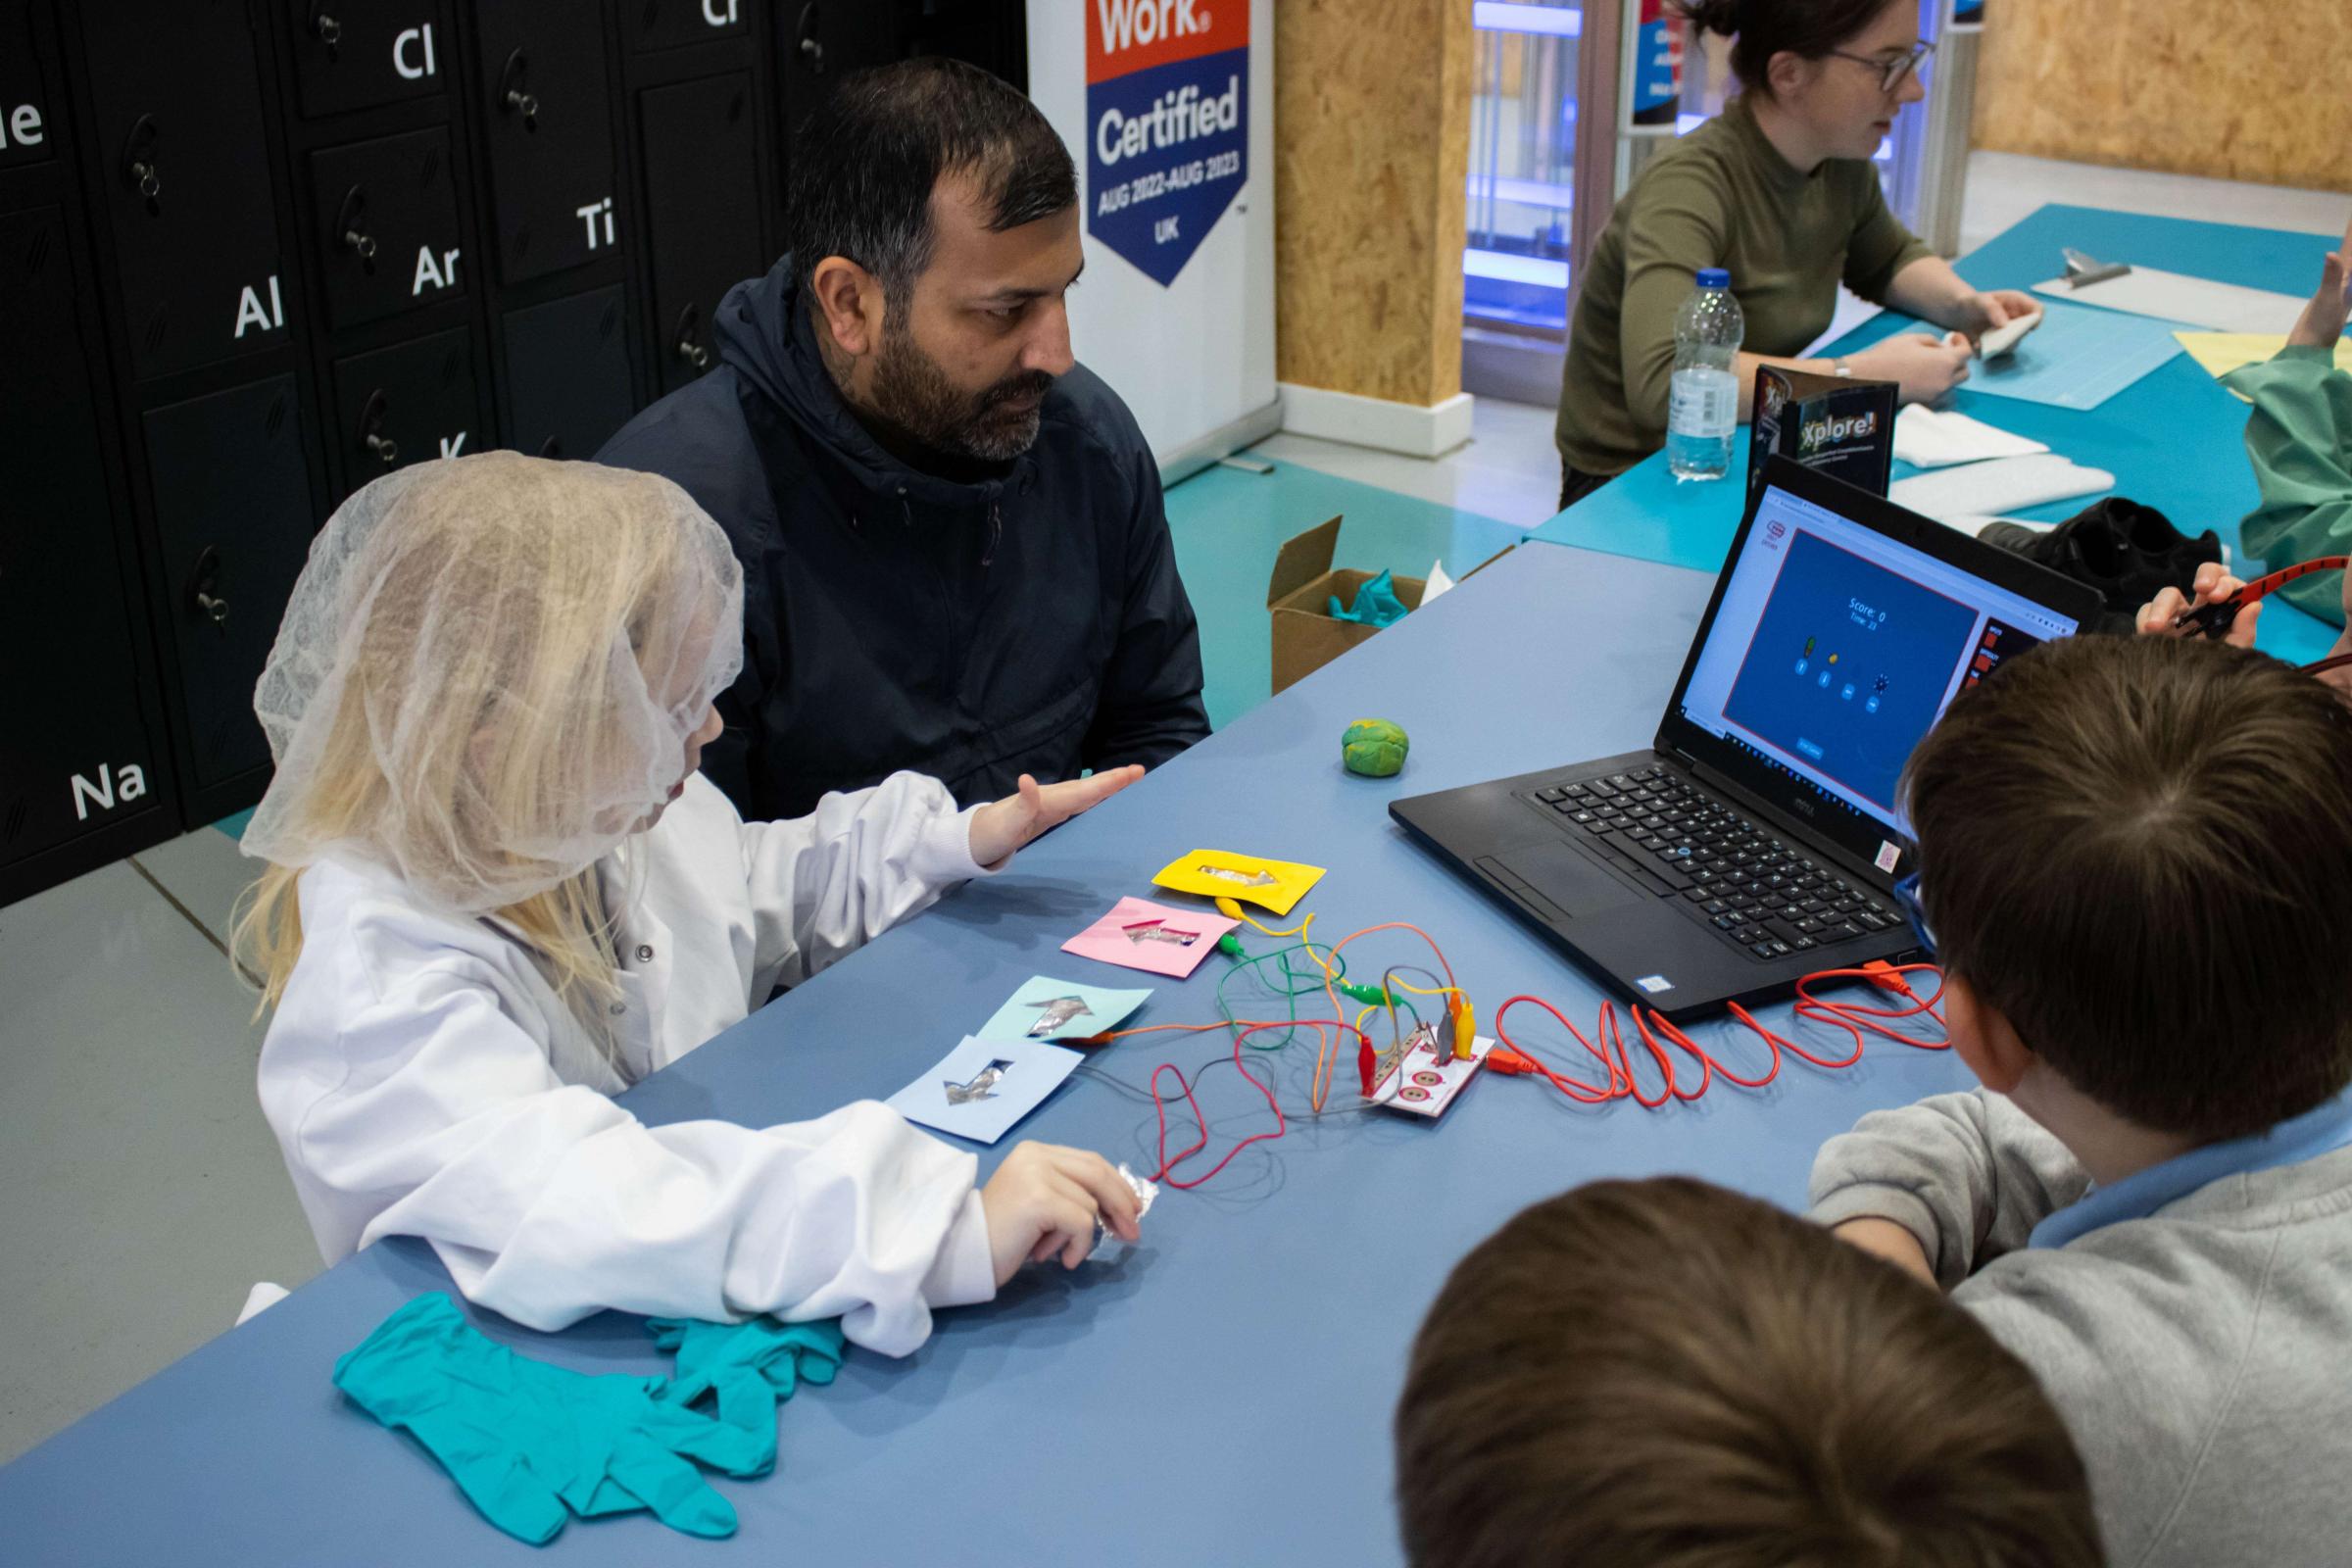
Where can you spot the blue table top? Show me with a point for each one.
(2174, 439)
(1222, 1394)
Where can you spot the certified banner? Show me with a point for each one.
(1167, 106)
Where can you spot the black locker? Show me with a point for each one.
(404, 404)
(567, 374)
(25, 128)
(177, 139)
(700, 152)
(232, 521)
(357, 54)
(82, 753)
(667, 23)
(546, 116)
(385, 216)
(816, 40)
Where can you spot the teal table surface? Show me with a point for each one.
(2174, 439)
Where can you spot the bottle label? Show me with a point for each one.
(1704, 403)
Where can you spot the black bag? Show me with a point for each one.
(2127, 552)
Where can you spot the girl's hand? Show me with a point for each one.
(1045, 1199)
(1003, 826)
(2323, 319)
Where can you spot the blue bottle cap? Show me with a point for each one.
(1714, 277)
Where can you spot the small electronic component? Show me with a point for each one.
(1426, 1077)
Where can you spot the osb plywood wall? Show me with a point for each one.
(2238, 90)
(1372, 131)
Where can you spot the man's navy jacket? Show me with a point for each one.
(1028, 623)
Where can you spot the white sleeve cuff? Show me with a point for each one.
(965, 1273)
(943, 854)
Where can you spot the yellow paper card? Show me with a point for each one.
(1275, 885)
(2220, 353)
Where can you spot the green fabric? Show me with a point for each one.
(1376, 603)
(1374, 747)
(1722, 196)
(529, 1444)
(748, 1366)
(2300, 439)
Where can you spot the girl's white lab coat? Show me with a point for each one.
(423, 1078)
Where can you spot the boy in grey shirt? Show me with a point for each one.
(2134, 867)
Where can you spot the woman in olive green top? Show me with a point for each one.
(1779, 190)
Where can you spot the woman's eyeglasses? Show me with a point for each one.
(1893, 70)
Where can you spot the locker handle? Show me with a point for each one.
(328, 30)
(514, 96)
(200, 588)
(813, 53)
(351, 228)
(689, 327)
(371, 430)
(141, 168)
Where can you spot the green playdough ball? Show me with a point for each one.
(1374, 748)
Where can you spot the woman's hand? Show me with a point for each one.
(1925, 368)
(1975, 314)
(2212, 586)
(1003, 826)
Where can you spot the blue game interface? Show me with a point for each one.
(1849, 666)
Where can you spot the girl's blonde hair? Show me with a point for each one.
(484, 684)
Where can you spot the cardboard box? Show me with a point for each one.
(1299, 596)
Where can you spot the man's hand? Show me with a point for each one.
(1045, 1199)
(2323, 319)
(1924, 368)
(2212, 586)
(1883, 1238)
(1003, 826)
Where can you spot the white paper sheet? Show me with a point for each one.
(2005, 484)
(2192, 301)
(1932, 438)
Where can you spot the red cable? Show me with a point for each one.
(1658, 1032)
(1159, 1108)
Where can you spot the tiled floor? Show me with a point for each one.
(143, 1192)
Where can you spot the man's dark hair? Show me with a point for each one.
(2139, 849)
(864, 167)
(1665, 1374)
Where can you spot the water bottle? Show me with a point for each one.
(1704, 408)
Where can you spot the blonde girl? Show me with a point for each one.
(498, 893)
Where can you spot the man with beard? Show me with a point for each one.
(955, 559)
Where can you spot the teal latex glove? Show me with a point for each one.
(528, 1443)
(1376, 603)
(749, 1366)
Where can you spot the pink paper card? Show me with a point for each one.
(1138, 935)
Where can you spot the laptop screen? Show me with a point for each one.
(1834, 648)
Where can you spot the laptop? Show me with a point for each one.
(1758, 841)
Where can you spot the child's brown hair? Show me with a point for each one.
(2140, 851)
(1665, 1374)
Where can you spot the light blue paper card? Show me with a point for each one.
(1045, 1008)
(982, 1086)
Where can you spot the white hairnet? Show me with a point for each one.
(488, 672)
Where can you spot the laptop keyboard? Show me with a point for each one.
(1758, 893)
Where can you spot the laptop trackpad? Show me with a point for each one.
(1579, 886)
